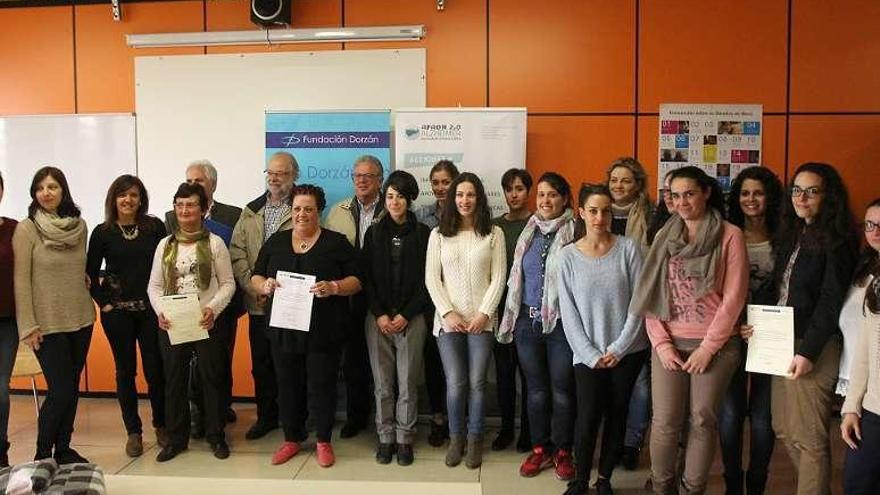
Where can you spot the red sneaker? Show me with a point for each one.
(324, 452)
(536, 462)
(285, 453)
(564, 465)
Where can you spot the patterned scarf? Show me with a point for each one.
(563, 226)
(202, 238)
(59, 233)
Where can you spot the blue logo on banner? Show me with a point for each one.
(751, 128)
(681, 141)
(354, 139)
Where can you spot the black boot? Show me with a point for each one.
(4, 453)
(755, 483)
(733, 483)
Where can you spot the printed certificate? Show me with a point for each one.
(183, 312)
(292, 301)
(771, 346)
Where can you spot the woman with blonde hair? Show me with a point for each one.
(631, 208)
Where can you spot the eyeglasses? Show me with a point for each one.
(279, 175)
(809, 192)
(186, 206)
(308, 210)
(870, 226)
(363, 176)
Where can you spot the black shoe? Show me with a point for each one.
(220, 449)
(231, 417)
(4, 454)
(384, 453)
(503, 440)
(603, 487)
(350, 429)
(197, 430)
(169, 452)
(577, 487)
(733, 483)
(439, 434)
(523, 444)
(629, 459)
(69, 456)
(404, 454)
(260, 429)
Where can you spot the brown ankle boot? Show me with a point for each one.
(134, 447)
(474, 457)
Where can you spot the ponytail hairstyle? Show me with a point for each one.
(588, 190)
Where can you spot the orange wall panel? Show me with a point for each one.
(712, 52)
(455, 44)
(849, 143)
(36, 61)
(834, 55)
(105, 64)
(562, 56)
(234, 15)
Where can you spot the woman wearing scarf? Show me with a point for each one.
(192, 261)
(692, 289)
(631, 207)
(53, 307)
(531, 319)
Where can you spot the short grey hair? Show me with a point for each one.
(290, 158)
(372, 160)
(208, 167)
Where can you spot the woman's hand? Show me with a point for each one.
(88, 282)
(609, 360)
(106, 308)
(207, 321)
(269, 287)
(164, 323)
(384, 324)
(453, 322)
(746, 331)
(799, 367)
(34, 339)
(698, 361)
(851, 430)
(670, 359)
(477, 324)
(322, 289)
(399, 323)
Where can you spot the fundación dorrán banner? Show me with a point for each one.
(326, 144)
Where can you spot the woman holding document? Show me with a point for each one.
(860, 426)
(692, 289)
(815, 257)
(307, 267)
(191, 262)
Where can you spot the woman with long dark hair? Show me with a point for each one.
(127, 241)
(815, 257)
(53, 308)
(8, 331)
(692, 289)
(753, 205)
(464, 275)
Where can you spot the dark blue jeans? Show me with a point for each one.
(861, 470)
(546, 361)
(748, 395)
(639, 417)
(8, 348)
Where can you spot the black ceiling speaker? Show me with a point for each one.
(270, 12)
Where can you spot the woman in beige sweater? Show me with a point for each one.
(53, 307)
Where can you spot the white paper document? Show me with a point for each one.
(183, 312)
(771, 346)
(292, 302)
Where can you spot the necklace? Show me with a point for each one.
(129, 232)
(305, 243)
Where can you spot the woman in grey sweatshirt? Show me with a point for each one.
(597, 278)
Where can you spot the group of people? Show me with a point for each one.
(616, 313)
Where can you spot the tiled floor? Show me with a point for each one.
(100, 437)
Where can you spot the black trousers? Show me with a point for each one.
(356, 366)
(62, 357)
(213, 363)
(263, 371)
(126, 331)
(435, 377)
(603, 393)
(506, 364)
(861, 470)
(226, 329)
(302, 375)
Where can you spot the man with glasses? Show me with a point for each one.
(220, 219)
(351, 217)
(267, 214)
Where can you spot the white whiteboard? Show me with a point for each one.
(91, 150)
(213, 106)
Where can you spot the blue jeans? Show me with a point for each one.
(466, 363)
(8, 349)
(546, 361)
(861, 470)
(639, 417)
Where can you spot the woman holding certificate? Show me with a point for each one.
(190, 264)
(692, 289)
(815, 258)
(307, 267)
(53, 308)
(464, 274)
(860, 426)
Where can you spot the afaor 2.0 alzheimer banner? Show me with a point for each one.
(485, 141)
(326, 144)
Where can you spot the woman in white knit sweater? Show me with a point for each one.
(464, 274)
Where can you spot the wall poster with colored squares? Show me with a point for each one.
(721, 139)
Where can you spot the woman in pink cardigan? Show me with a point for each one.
(692, 290)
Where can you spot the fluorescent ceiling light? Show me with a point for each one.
(278, 36)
